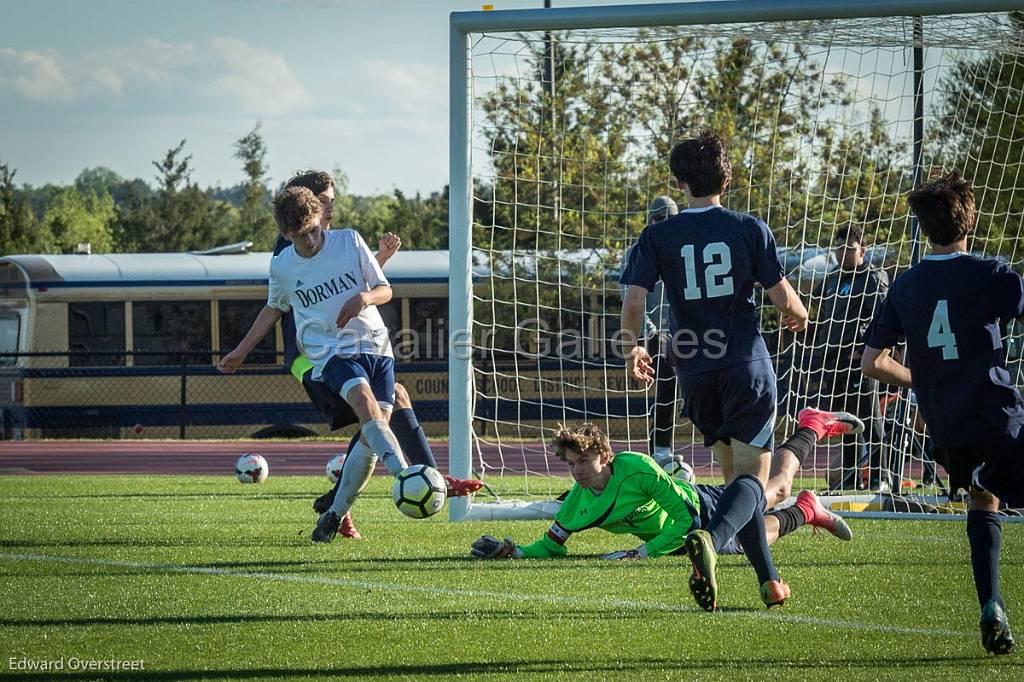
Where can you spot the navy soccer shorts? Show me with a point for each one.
(342, 374)
(733, 403)
(997, 467)
(332, 406)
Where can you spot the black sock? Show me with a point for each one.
(735, 508)
(410, 436)
(754, 542)
(789, 518)
(801, 443)
(984, 532)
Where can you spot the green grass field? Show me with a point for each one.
(203, 578)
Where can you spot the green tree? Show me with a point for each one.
(182, 217)
(75, 217)
(255, 220)
(981, 133)
(20, 232)
(98, 179)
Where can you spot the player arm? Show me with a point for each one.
(388, 246)
(634, 311)
(551, 544)
(785, 298)
(262, 326)
(379, 295)
(879, 364)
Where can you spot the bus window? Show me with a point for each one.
(171, 326)
(235, 319)
(10, 328)
(391, 313)
(428, 320)
(98, 327)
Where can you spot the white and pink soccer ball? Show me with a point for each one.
(334, 467)
(251, 468)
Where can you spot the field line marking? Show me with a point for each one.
(610, 603)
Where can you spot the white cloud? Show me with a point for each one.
(34, 75)
(407, 88)
(255, 81)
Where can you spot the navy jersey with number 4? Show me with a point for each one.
(709, 259)
(951, 309)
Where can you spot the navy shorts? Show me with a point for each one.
(732, 403)
(997, 467)
(332, 406)
(709, 496)
(342, 374)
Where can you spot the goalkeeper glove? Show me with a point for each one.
(490, 547)
(638, 553)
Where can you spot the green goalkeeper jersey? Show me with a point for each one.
(640, 499)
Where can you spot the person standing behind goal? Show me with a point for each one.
(846, 302)
(710, 258)
(662, 415)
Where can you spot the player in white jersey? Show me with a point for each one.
(333, 285)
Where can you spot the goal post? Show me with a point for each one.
(834, 109)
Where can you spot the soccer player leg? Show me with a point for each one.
(323, 503)
(663, 411)
(984, 533)
(355, 475)
(749, 420)
(408, 431)
(371, 398)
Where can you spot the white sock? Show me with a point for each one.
(355, 474)
(385, 445)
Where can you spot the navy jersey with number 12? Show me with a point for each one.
(709, 258)
(951, 309)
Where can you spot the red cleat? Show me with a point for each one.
(774, 593)
(829, 424)
(348, 528)
(819, 517)
(460, 487)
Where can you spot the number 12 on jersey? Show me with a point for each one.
(718, 264)
(940, 333)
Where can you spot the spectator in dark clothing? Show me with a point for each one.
(845, 304)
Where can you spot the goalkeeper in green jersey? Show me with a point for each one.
(629, 494)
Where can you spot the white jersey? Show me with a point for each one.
(316, 288)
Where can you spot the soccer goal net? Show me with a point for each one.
(562, 123)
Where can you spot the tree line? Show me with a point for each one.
(172, 213)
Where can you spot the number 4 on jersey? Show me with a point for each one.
(940, 333)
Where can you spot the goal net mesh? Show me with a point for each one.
(570, 135)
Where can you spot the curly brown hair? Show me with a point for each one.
(585, 439)
(297, 210)
(702, 163)
(316, 181)
(945, 208)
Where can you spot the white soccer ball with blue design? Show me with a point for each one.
(419, 491)
(679, 469)
(334, 467)
(251, 468)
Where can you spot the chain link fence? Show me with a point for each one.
(175, 395)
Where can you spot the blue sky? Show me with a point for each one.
(358, 84)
